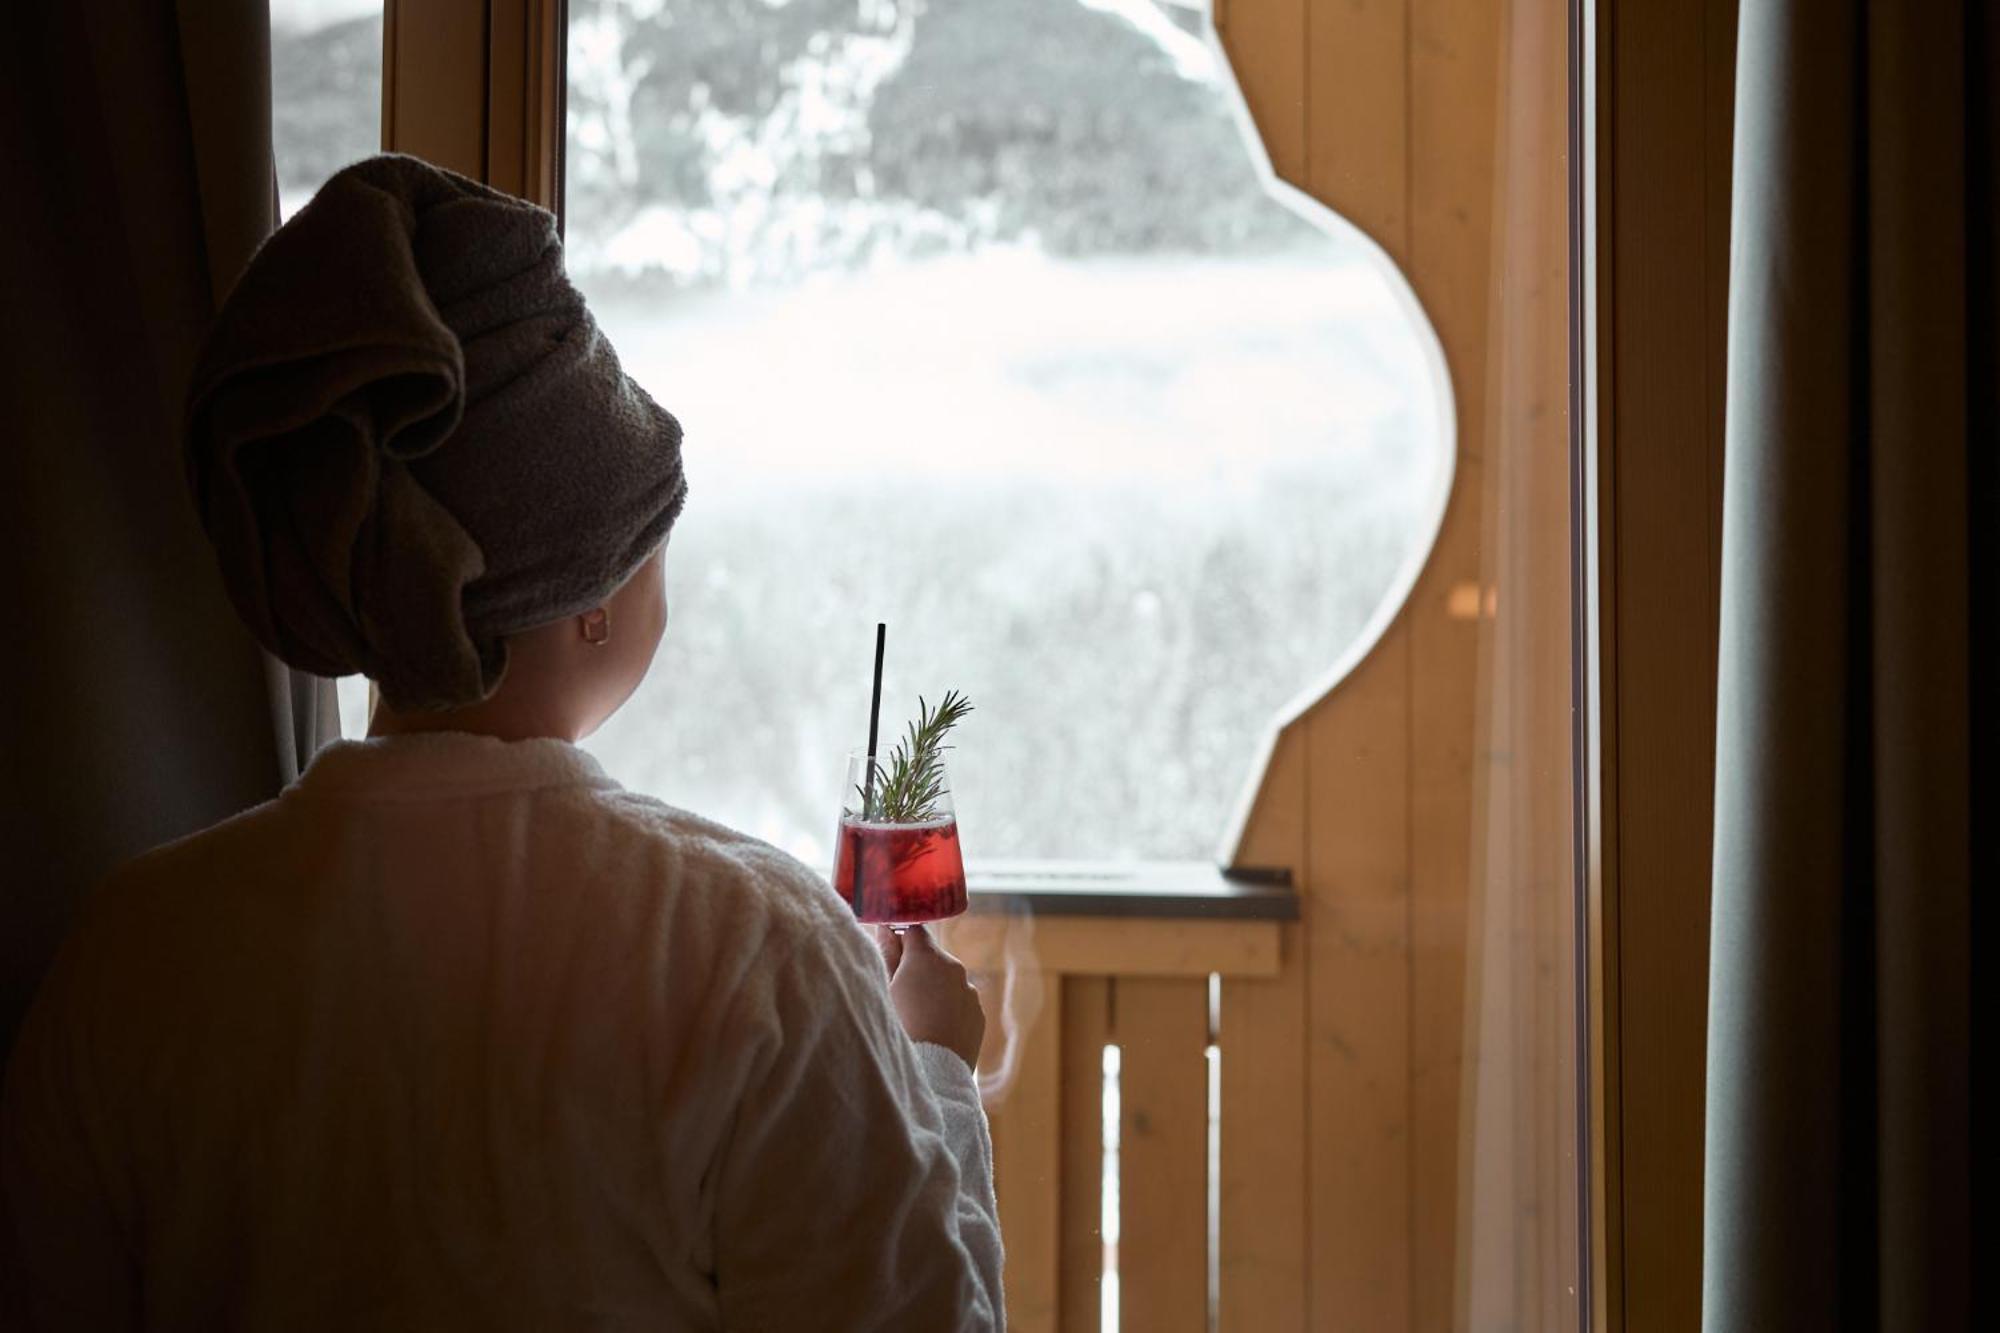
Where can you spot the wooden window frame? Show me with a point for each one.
(476, 86)
(1653, 189)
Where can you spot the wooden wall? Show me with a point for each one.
(1390, 112)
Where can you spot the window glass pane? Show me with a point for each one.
(326, 111)
(983, 321)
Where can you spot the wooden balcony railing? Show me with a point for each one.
(1077, 958)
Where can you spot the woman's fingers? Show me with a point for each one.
(919, 943)
(934, 999)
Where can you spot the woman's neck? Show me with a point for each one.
(503, 719)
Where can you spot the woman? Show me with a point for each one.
(456, 1033)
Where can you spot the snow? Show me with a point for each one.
(1130, 506)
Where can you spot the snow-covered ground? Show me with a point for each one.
(1130, 506)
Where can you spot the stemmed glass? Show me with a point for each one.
(897, 873)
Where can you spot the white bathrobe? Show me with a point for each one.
(459, 1034)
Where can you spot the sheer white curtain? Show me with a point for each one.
(1519, 1171)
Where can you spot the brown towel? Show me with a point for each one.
(408, 439)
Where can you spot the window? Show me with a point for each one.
(983, 321)
(326, 111)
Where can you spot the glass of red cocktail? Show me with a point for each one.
(897, 864)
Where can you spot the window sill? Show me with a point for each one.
(1170, 890)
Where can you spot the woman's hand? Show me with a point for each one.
(932, 996)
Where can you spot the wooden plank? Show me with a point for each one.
(1098, 946)
(1027, 1126)
(1262, 1230)
(1086, 1028)
(1274, 830)
(1357, 1022)
(1357, 125)
(1453, 101)
(1266, 44)
(1161, 1026)
(1261, 1269)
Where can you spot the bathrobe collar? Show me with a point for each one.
(444, 763)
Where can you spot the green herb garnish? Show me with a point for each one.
(907, 788)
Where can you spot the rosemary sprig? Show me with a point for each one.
(907, 788)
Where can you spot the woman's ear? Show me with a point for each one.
(595, 625)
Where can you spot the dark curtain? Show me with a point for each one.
(138, 179)
(1857, 821)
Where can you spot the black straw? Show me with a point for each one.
(874, 719)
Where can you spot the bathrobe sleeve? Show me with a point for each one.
(856, 1185)
(66, 1259)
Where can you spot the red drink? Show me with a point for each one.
(900, 874)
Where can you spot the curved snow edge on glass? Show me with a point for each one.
(1444, 471)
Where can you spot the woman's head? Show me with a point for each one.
(563, 678)
(416, 455)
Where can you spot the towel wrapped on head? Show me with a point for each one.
(408, 439)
